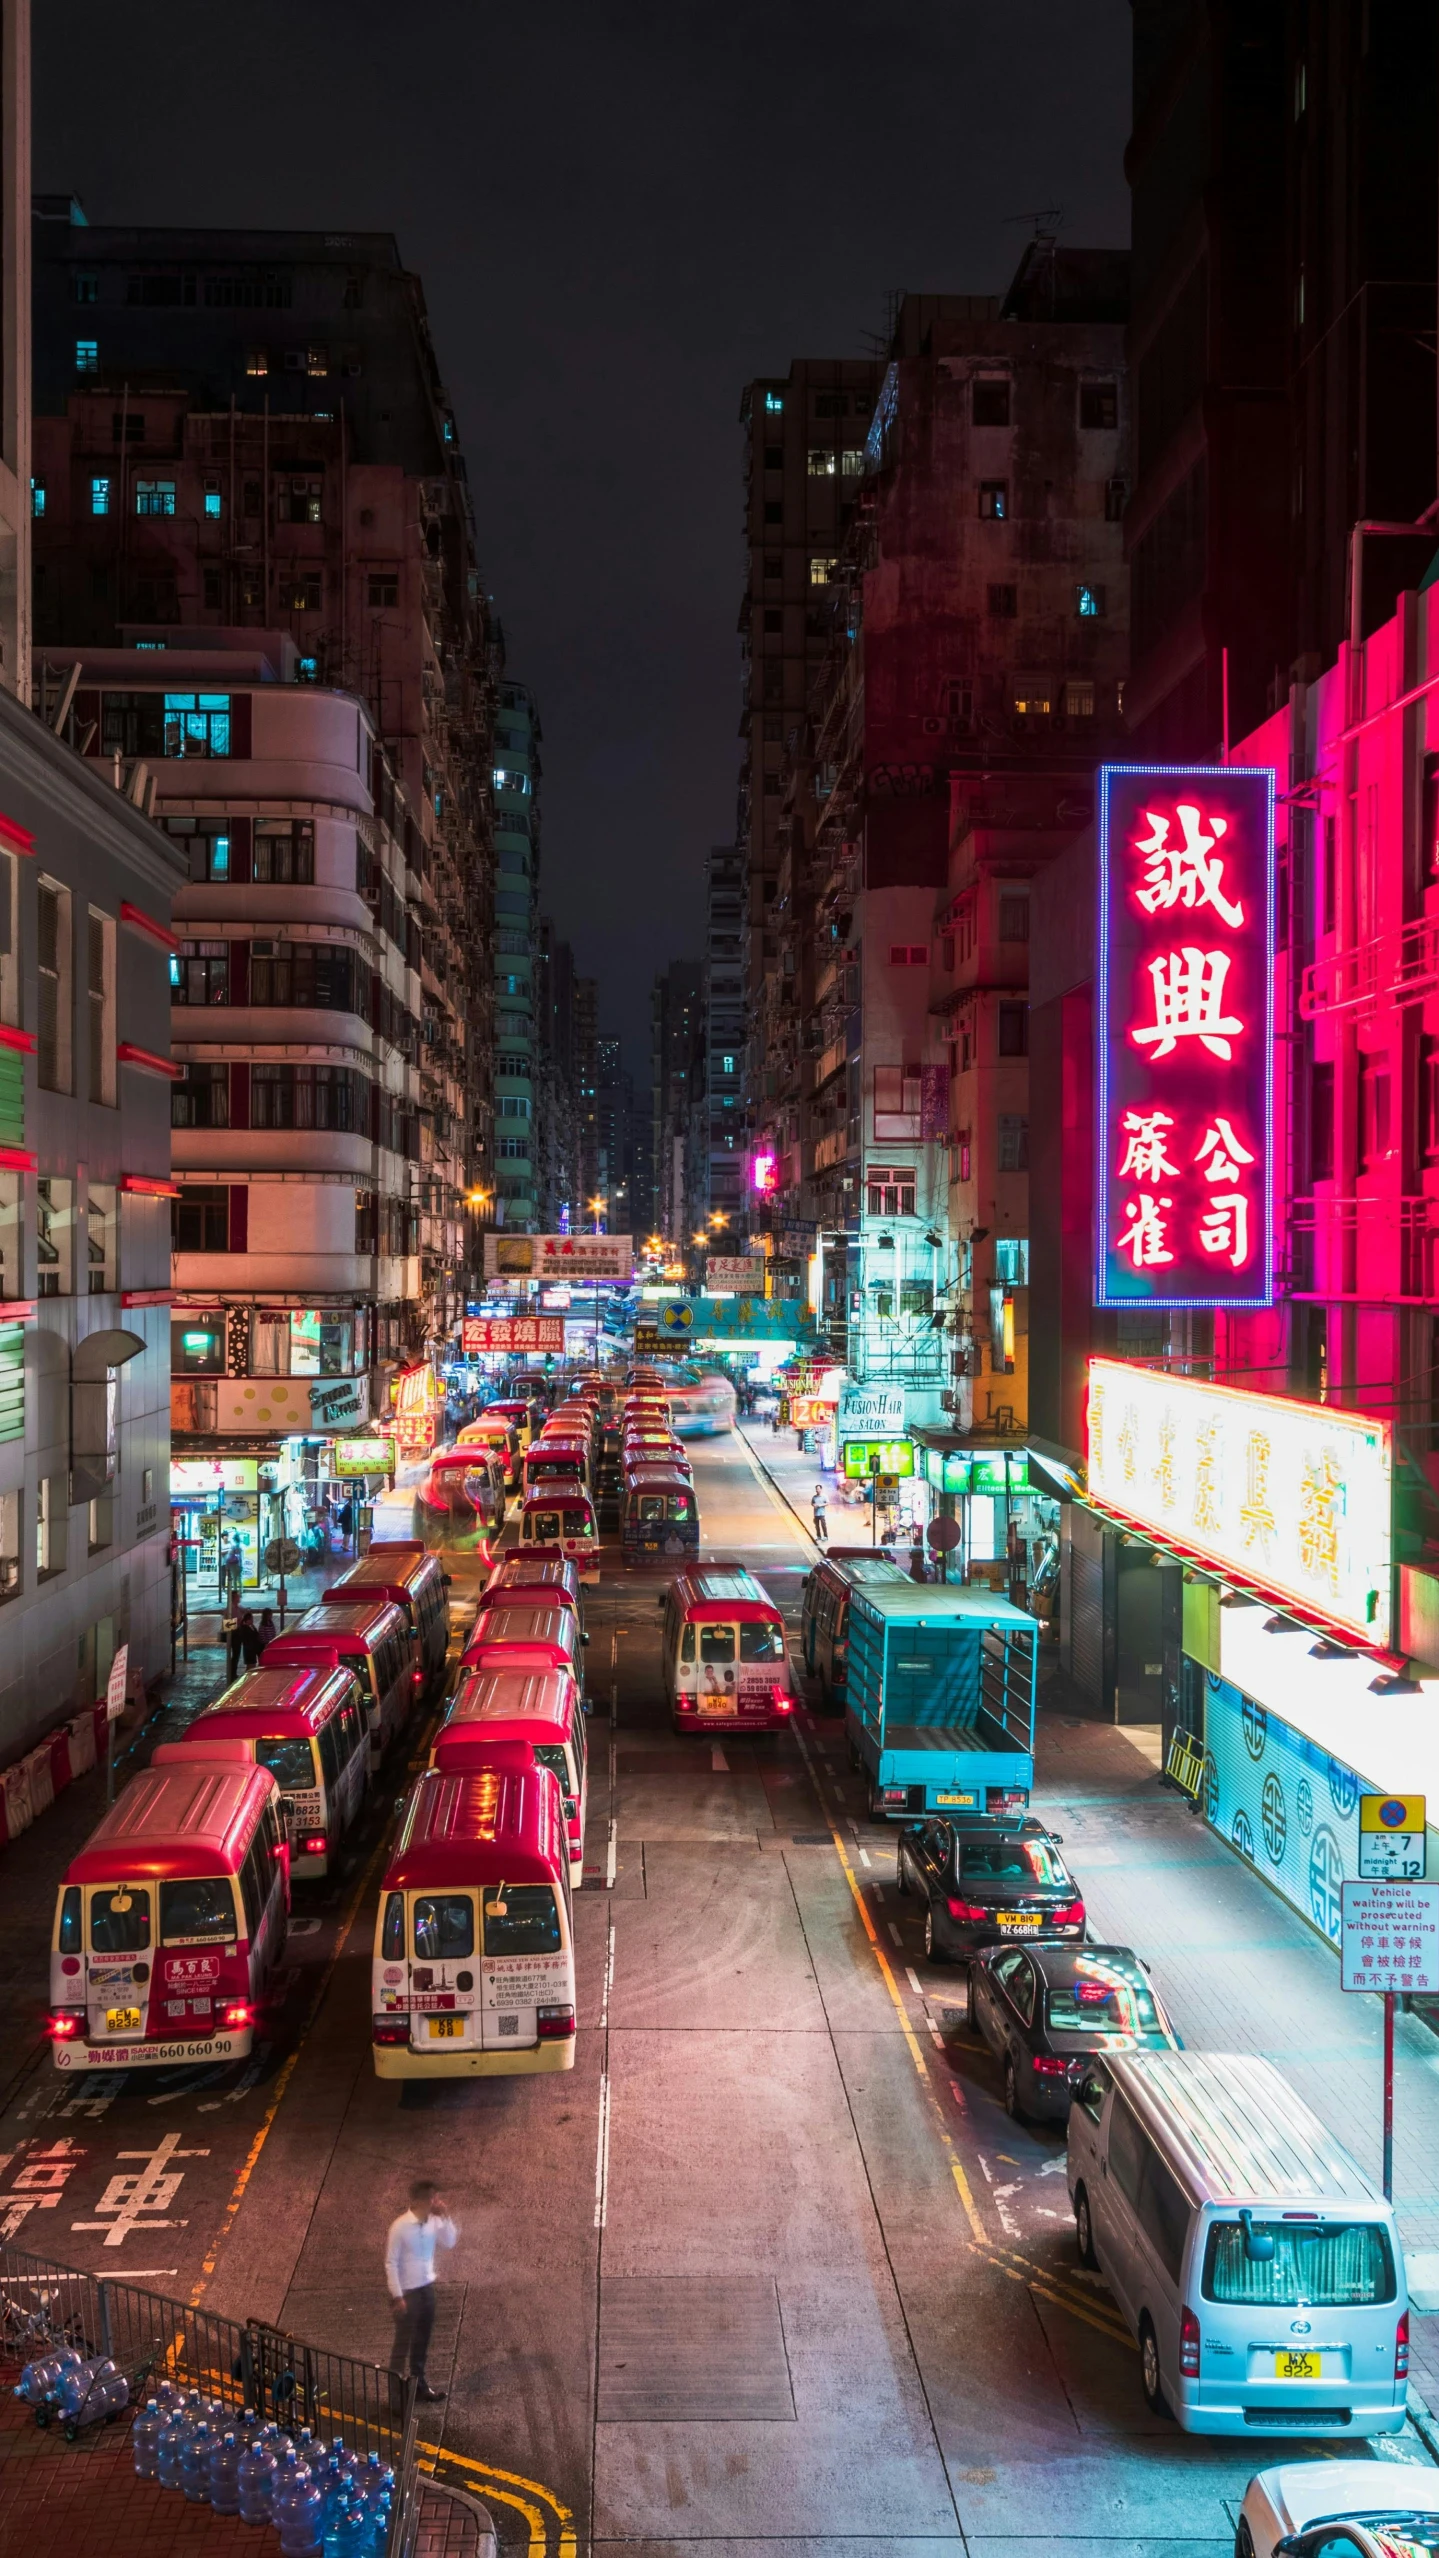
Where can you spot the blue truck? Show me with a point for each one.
(939, 1706)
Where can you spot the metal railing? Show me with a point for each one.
(44, 2305)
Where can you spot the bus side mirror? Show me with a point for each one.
(584, 1638)
(448, 1579)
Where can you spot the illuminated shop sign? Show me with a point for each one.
(512, 1332)
(878, 1456)
(1293, 1498)
(1185, 1047)
(994, 1472)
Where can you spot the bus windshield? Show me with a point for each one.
(521, 1918)
(291, 1762)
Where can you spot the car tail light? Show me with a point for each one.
(1188, 2345)
(239, 2012)
(783, 1701)
(1071, 1915)
(417, 1678)
(893, 1794)
(389, 2029)
(1048, 2066)
(1401, 2348)
(970, 1910)
(555, 2023)
(67, 2022)
(315, 1846)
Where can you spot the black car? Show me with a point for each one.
(1046, 2010)
(987, 1883)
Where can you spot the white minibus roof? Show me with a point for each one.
(1236, 2131)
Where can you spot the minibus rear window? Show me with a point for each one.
(444, 1927)
(70, 1919)
(578, 1523)
(761, 1643)
(717, 1642)
(392, 1942)
(119, 1920)
(290, 1762)
(1328, 2265)
(195, 1912)
(521, 1918)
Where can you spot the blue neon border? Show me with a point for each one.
(1247, 1304)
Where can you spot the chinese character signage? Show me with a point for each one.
(558, 1256)
(865, 1457)
(1184, 1059)
(735, 1274)
(1389, 1937)
(512, 1332)
(1293, 1498)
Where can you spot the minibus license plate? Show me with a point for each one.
(1018, 1921)
(717, 1705)
(446, 2028)
(122, 2020)
(1289, 2366)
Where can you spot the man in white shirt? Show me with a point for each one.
(410, 2273)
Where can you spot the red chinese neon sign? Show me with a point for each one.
(1185, 1036)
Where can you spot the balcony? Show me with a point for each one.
(1394, 968)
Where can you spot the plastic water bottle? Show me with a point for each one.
(195, 2465)
(145, 2437)
(174, 2434)
(299, 2512)
(347, 2534)
(377, 2524)
(225, 2475)
(255, 2478)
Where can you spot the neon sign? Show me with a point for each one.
(764, 1171)
(1184, 1064)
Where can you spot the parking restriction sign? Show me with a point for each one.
(1389, 1937)
(1391, 1837)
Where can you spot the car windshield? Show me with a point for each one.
(291, 1763)
(1101, 2000)
(761, 1643)
(1010, 1861)
(1329, 2265)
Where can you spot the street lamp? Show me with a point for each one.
(597, 1207)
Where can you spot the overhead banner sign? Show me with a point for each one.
(512, 1332)
(1295, 1498)
(558, 1256)
(737, 1272)
(867, 1412)
(1184, 1060)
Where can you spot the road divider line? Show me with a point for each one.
(612, 1856)
(602, 2154)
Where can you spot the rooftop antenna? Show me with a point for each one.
(878, 342)
(1047, 221)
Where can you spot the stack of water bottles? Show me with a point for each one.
(73, 2388)
(318, 2497)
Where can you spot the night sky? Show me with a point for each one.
(621, 213)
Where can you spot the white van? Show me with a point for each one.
(1256, 2265)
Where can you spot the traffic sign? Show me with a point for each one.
(675, 1316)
(943, 1535)
(1392, 1837)
(1389, 1937)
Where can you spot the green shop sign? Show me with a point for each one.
(954, 1471)
(864, 1457)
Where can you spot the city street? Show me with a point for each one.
(772, 2264)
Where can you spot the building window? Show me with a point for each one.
(773, 512)
(154, 497)
(774, 402)
(989, 399)
(200, 973)
(213, 498)
(1013, 1143)
(200, 1219)
(84, 285)
(1373, 1111)
(299, 501)
(513, 1149)
(52, 1066)
(257, 362)
(54, 1235)
(284, 851)
(202, 1098)
(896, 1102)
(821, 568)
(773, 564)
(52, 1525)
(1321, 1119)
(1089, 602)
(303, 594)
(197, 724)
(1013, 918)
(851, 461)
(1003, 603)
(889, 1190)
(1014, 1030)
(100, 1237)
(821, 463)
(908, 954)
(1011, 1261)
(1035, 701)
(1114, 494)
(994, 500)
(831, 404)
(384, 591)
(37, 497)
(100, 493)
(1099, 406)
(1079, 701)
(100, 991)
(773, 620)
(9, 1546)
(87, 355)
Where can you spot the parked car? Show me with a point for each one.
(987, 1883)
(1333, 2508)
(1046, 2009)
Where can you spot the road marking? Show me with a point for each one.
(864, 1856)
(612, 1856)
(602, 2154)
(913, 1982)
(719, 1764)
(609, 1973)
(894, 1932)
(525, 2503)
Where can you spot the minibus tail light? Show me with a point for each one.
(67, 2022)
(239, 2012)
(555, 2023)
(315, 1846)
(389, 2029)
(1401, 2348)
(783, 1701)
(1188, 2345)
(1048, 2065)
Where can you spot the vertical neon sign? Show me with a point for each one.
(1184, 1021)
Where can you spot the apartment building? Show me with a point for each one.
(677, 1056)
(724, 1034)
(516, 778)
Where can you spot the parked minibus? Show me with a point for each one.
(555, 1461)
(824, 1624)
(724, 1652)
(659, 1515)
(171, 1921)
(561, 1520)
(462, 1497)
(416, 1584)
(493, 1431)
(307, 1726)
(369, 1637)
(546, 1631)
(539, 1706)
(643, 1448)
(522, 1412)
(1258, 2269)
(544, 1579)
(474, 1966)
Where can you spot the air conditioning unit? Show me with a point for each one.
(263, 949)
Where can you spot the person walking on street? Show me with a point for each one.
(233, 1646)
(821, 1515)
(410, 2274)
(251, 1645)
(268, 1629)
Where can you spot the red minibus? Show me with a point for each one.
(463, 1496)
(724, 1652)
(544, 1579)
(308, 1728)
(493, 1431)
(171, 1922)
(474, 1963)
(546, 1632)
(416, 1583)
(369, 1637)
(554, 1461)
(659, 1515)
(541, 1707)
(561, 1520)
(654, 1447)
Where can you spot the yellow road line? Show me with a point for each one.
(506, 2494)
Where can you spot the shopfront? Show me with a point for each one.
(1006, 1506)
(221, 1507)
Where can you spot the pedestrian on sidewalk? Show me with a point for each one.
(249, 1639)
(410, 2274)
(268, 1628)
(820, 1508)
